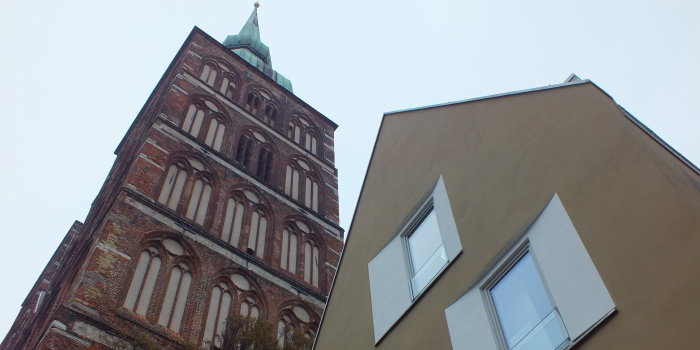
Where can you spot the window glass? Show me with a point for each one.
(427, 252)
(526, 315)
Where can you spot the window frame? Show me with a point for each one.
(418, 218)
(389, 269)
(497, 276)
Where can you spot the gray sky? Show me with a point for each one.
(74, 74)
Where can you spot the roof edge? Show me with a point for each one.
(516, 92)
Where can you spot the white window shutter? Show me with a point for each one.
(389, 287)
(446, 221)
(574, 282)
(468, 323)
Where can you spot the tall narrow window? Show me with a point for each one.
(289, 251)
(233, 221)
(199, 201)
(311, 263)
(219, 306)
(311, 194)
(310, 143)
(291, 182)
(175, 297)
(193, 120)
(264, 164)
(139, 295)
(282, 325)
(208, 75)
(253, 103)
(244, 150)
(527, 317)
(228, 87)
(173, 185)
(270, 115)
(215, 134)
(426, 250)
(258, 229)
(249, 308)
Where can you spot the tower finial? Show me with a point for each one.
(256, 4)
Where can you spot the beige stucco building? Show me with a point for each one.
(540, 219)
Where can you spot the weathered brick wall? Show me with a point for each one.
(87, 310)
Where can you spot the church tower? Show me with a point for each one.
(222, 201)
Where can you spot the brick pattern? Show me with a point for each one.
(94, 266)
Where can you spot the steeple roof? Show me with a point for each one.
(247, 45)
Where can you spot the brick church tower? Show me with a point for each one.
(222, 201)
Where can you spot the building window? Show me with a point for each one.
(228, 86)
(311, 263)
(289, 251)
(144, 280)
(244, 150)
(425, 249)
(542, 292)
(301, 179)
(418, 253)
(205, 121)
(264, 164)
(233, 220)
(163, 256)
(526, 316)
(172, 186)
(258, 230)
(249, 308)
(175, 297)
(199, 201)
(215, 134)
(302, 132)
(252, 103)
(219, 309)
(208, 74)
(270, 115)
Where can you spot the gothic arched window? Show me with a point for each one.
(258, 233)
(175, 297)
(304, 133)
(144, 280)
(187, 173)
(199, 200)
(233, 220)
(172, 186)
(299, 178)
(289, 253)
(160, 256)
(219, 309)
(264, 163)
(244, 150)
(204, 114)
(311, 263)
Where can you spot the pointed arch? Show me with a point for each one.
(305, 133)
(188, 179)
(168, 259)
(256, 152)
(262, 104)
(303, 183)
(206, 120)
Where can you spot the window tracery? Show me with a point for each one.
(162, 254)
(300, 178)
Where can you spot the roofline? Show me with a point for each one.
(235, 56)
(568, 83)
(628, 115)
(152, 95)
(516, 92)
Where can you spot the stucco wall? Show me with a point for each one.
(635, 206)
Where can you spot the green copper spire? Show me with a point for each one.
(248, 46)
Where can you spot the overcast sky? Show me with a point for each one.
(74, 75)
